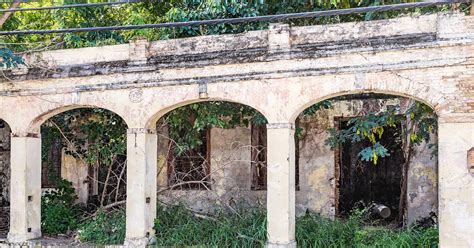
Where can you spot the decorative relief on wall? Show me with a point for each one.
(136, 95)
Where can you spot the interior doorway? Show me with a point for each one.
(360, 183)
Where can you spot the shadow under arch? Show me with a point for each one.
(187, 139)
(35, 125)
(86, 147)
(433, 105)
(343, 154)
(5, 177)
(151, 123)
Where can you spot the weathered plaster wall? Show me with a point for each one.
(230, 173)
(316, 167)
(239, 67)
(456, 186)
(76, 171)
(422, 190)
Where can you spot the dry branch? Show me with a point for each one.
(7, 15)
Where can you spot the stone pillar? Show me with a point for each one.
(281, 185)
(456, 184)
(141, 186)
(25, 194)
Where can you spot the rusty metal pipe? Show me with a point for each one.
(381, 210)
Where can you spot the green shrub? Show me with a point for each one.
(105, 228)
(59, 214)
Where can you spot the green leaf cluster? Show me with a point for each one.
(417, 123)
(8, 59)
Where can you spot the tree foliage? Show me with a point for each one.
(93, 135)
(97, 138)
(418, 122)
(167, 11)
(187, 123)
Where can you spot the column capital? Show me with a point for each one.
(141, 131)
(25, 135)
(282, 125)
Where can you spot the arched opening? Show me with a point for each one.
(83, 170)
(370, 156)
(5, 175)
(212, 164)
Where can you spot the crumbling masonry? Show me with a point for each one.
(279, 72)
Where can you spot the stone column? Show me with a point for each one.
(281, 185)
(141, 186)
(456, 184)
(25, 185)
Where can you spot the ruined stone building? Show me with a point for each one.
(279, 72)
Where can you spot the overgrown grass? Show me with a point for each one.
(178, 227)
(106, 228)
(315, 231)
